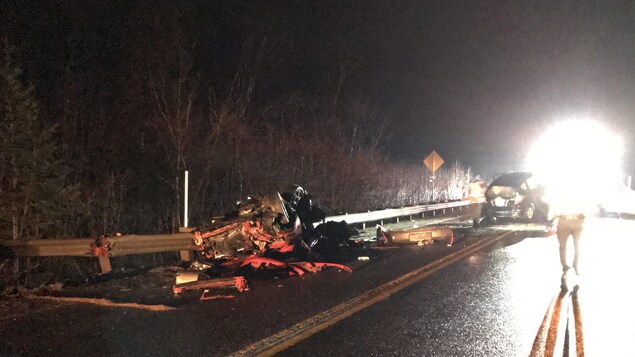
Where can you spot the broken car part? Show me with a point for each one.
(416, 235)
(187, 276)
(238, 282)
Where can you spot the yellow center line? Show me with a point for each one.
(538, 348)
(551, 336)
(300, 331)
(554, 327)
(577, 314)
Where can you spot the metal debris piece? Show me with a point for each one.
(261, 262)
(295, 268)
(415, 235)
(187, 276)
(315, 267)
(268, 263)
(327, 238)
(200, 265)
(204, 296)
(238, 282)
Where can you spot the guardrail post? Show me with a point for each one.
(185, 255)
(397, 219)
(104, 262)
(186, 199)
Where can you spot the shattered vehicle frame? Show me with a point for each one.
(255, 227)
(263, 233)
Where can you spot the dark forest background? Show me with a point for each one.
(103, 105)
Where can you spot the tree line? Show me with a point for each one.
(96, 131)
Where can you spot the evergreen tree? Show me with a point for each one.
(36, 199)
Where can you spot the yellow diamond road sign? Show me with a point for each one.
(433, 161)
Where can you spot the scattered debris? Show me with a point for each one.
(101, 302)
(315, 267)
(272, 224)
(273, 234)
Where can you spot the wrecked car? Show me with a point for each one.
(272, 224)
(254, 227)
(514, 196)
(270, 232)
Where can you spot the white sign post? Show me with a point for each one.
(185, 204)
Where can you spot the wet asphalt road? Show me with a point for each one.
(490, 303)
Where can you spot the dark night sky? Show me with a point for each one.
(475, 80)
(485, 78)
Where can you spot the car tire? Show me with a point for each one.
(530, 213)
(476, 223)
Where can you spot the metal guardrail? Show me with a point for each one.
(50, 248)
(116, 246)
(138, 244)
(104, 248)
(375, 216)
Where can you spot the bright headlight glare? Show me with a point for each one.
(577, 156)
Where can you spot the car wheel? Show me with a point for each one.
(530, 213)
(476, 222)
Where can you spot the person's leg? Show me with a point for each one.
(563, 234)
(577, 234)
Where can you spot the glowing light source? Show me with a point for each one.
(577, 161)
